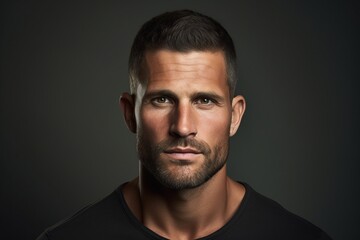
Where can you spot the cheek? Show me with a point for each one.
(153, 125)
(215, 128)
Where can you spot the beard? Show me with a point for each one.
(184, 177)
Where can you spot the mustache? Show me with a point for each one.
(200, 146)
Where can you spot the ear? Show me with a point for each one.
(127, 105)
(238, 109)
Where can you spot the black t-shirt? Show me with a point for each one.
(258, 217)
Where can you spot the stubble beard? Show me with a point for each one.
(184, 177)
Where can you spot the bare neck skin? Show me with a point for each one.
(185, 214)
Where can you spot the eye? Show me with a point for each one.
(158, 101)
(161, 100)
(205, 101)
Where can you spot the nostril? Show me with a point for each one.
(182, 133)
(183, 130)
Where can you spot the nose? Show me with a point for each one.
(183, 122)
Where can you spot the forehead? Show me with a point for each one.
(202, 67)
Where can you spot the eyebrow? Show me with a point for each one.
(171, 94)
(157, 93)
(210, 94)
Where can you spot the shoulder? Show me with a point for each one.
(268, 218)
(92, 220)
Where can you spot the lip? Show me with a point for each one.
(179, 150)
(183, 154)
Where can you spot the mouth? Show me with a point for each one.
(178, 153)
(182, 150)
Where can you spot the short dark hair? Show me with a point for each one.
(181, 31)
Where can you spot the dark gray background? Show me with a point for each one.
(64, 143)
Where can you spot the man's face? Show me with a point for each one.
(183, 117)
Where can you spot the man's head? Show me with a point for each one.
(181, 31)
(182, 106)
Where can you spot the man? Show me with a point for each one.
(183, 109)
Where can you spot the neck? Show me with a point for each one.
(184, 214)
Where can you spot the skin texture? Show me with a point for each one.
(183, 118)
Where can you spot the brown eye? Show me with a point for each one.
(159, 101)
(204, 101)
